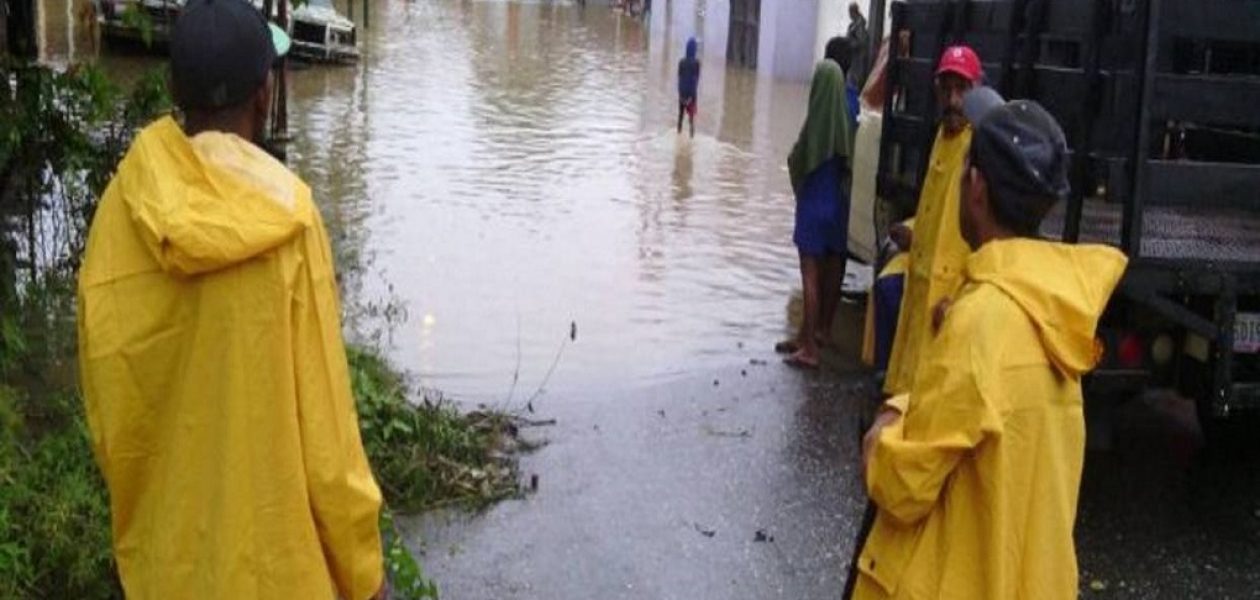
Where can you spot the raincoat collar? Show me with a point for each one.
(1063, 288)
(206, 203)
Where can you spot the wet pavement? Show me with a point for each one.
(662, 493)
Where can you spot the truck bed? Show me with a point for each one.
(1180, 233)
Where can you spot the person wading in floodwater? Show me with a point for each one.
(213, 370)
(688, 87)
(976, 472)
(819, 166)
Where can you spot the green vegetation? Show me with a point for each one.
(428, 454)
(61, 138)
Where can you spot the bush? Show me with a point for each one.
(54, 512)
(429, 454)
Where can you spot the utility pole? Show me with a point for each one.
(282, 81)
(278, 136)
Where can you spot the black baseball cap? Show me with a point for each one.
(221, 51)
(1022, 152)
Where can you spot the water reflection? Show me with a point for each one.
(505, 169)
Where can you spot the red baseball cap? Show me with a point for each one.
(961, 60)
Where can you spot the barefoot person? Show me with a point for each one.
(819, 166)
(688, 87)
(213, 370)
(938, 252)
(975, 473)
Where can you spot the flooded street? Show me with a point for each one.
(509, 170)
(516, 217)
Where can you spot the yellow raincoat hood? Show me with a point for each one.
(215, 380)
(206, 203)
(1063, 288)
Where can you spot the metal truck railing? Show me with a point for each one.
(1160, 101)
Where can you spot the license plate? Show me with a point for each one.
(1247, 332)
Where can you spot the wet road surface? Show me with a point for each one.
(661, 493)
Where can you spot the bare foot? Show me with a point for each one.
(822, 339)
(803, 359)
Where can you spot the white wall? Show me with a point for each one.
(833, 20)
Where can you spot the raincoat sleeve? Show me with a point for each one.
(949, 416)
(344, 497)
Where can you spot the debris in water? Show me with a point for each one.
(743, 373)
(739, 345)
(573, 331)
(533, 482)
(703, 531)
(762, 536)
(661, 413)
(757, 362)
(715, 383)
(1098, 586)
(742, 433)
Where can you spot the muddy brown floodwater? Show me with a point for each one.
(512, 169)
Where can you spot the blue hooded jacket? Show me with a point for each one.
(689, 72)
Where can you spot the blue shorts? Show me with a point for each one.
(822, 211)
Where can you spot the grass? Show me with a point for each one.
(54, 511)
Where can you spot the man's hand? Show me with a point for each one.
(902, 236)
(938, 314)
(887, 416)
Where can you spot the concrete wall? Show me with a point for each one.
(795, 30)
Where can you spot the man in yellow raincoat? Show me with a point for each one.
(212, 362)
(938, 252)
(976, 472)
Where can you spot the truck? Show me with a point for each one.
(1160, 103)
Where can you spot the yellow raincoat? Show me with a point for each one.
(216, 382)
(937, 256)
(977, 484)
